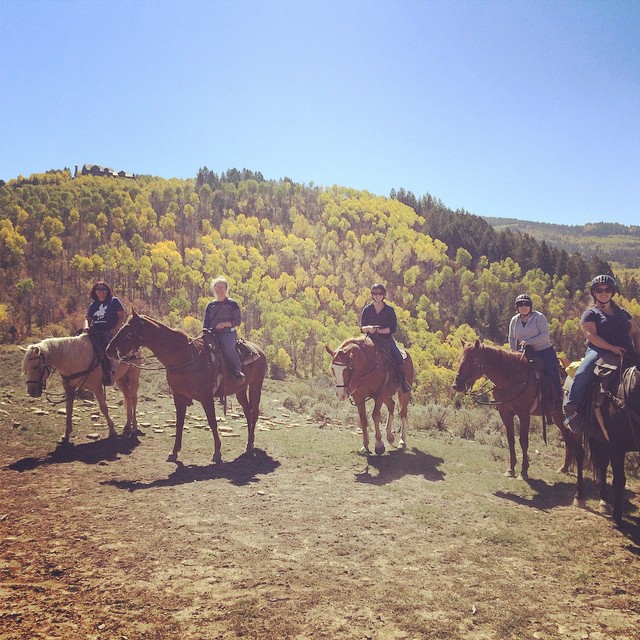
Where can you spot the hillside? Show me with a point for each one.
(300, 259)
(610, 241)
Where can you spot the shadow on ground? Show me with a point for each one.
(243, 470)
(90, 453)
(400, 463)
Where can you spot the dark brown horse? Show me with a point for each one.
(517, 393)
(361, 372)
(620, 414)
(194, 372)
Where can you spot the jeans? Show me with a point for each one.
(227, 340)
(583, 377)
(550, 359)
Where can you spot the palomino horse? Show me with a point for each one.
(74, 358)
(361, 373)
(193, 373)
(516, 393)
(620, 413)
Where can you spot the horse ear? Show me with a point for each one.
(329, 350)
(134, 313)
(23, 349)
(477, 344)
(464, 343)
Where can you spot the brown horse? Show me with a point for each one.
(193, 373)
(361, 373)
(74, 358)
(516, 393)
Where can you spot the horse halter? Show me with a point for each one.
(476, 363)
(347, 368)
(133, 335)
(45, 371)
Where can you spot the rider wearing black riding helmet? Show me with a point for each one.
(529, 328)
(379, 318)
(607, 328)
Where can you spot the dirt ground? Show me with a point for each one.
(305, 540)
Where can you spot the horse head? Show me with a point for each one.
(471, 366)
(35, 367)
(342, 368)
(129, 338)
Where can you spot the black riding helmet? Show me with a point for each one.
(605, 279)
(523, 297)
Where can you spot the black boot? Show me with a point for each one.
(402, 374)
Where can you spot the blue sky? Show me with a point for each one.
(521, 109)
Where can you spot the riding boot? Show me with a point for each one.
(402, 374)
(107, 378)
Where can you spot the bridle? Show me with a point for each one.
(477, 363)
(46, 370)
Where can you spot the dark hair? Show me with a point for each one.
(379, 287)
(100, 283)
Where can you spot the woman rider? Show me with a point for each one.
(105, 316)
(607, 328)
(379, 318)
(529, 328)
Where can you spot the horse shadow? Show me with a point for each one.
(244, 470)
(107, 450)
(399, 463)
(561, 494)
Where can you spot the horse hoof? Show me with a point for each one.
(379, 450)
(391, 438)
(64, 443)
(217, 459)
(402, 444)
(523, 476)
(563, 470)
(580, 502)
(510, 473)
(605, 508)
(173, 457)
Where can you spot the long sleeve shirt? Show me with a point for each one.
(535, 333)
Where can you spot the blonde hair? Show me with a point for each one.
(218, 280)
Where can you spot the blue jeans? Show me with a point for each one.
(583, 377)
(227, 340)
(550, 359)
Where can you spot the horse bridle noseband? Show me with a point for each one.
(44, 369)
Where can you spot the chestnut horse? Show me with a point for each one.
(194, 373)
(74, 358)
(516, 393)
(361, 373)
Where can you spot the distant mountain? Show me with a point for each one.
(609, 241)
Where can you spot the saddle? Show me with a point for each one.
(99, 342)
(548, 394)
(246, 352)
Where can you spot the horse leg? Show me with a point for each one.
(619, 483)
(391, 405)
(570, 444)
(376, 423)
(507, 420)
(364, 427)
(210, 409)
(180, 403)
(525, 423)
(579, 500)
(248, 414)
(101, 397)
(129, 384)
(69, 393)
(600, 457)
(404, 420)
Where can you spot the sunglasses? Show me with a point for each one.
(101, 289)
(377, 293)
(603, 289)
(523, 304)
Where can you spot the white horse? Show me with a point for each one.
(74, 358)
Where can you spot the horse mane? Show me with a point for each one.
(510, 362)
(359, 341)
(166, 327)
(54, 350)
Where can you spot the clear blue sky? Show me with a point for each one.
(510, 108)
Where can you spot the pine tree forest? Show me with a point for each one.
(300, 260)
